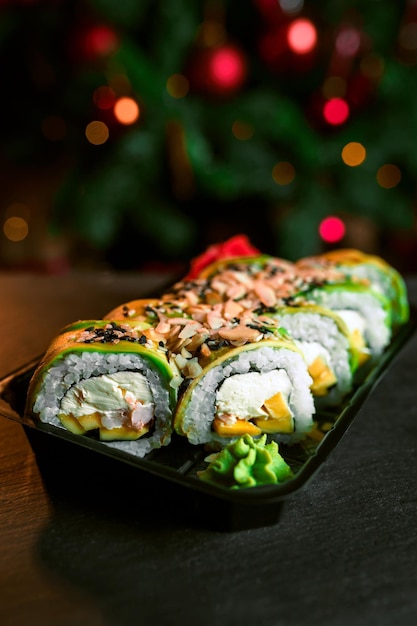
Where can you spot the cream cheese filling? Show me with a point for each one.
(312, 350)
(243, 396)
(353, 320)
(120, 399)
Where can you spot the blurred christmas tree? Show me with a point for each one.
(182, 122)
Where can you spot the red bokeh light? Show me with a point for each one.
(332, 229)
(336, 111)
(302, 36)
(227, 68)
(104, 97)
(99, 40)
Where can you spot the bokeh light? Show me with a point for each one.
(104, 97)
(120, 84)
(177, 86)
(372, 66)
(126, 111)
(283, 173)
(211, 33)
(334, 87)
(336, 111)
(388, 176)
(100, 40)
(353, 153)
(15, 228)
(332, 229)
(97, 132)
(348, 42)
(302, 36)
(227, 67)
(242, 130)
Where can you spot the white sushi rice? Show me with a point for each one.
(377, 320)
(76, 367)
(200, 409)
(311, 327)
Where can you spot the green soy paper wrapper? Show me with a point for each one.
(247, 463)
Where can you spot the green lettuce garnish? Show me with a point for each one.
(247, 463)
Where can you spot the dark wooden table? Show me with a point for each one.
(104, 547)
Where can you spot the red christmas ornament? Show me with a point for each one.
(94, 42)
(218, 71)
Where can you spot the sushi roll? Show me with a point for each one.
(108, 380)
(366, 312)
(258, 388)
(327, 346)
(381, 276)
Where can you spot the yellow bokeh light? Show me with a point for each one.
(334, 87)
(372, 66)
(97, 133)
(283, 173)
(353, 153)
(15, 228)
(120, 84)
(211, 33)
(177, 86)
(126, 110)
(388, 176)
(242, 130)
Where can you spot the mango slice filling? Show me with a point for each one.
(278, 420)
(233, 429)
(80, 425)
(360, 346)
(323, 377)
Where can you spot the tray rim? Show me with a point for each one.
(261, 494)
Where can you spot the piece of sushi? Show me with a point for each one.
(327, 346)
(366, 312)
(258, 388)
(381, 276)
(109, 380)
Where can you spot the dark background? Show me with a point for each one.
(247, 149)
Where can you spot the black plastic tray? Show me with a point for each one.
(175, 466)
